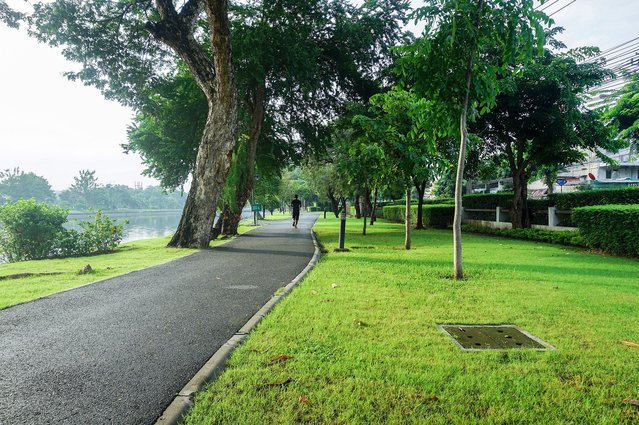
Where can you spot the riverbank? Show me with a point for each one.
(46, 277)
(358, 342)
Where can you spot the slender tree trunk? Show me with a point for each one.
(421, 189)
(334, 203)
(407, 219)
(216, 79)
(520, 215)
(358, 211)
(374, 209)
(461, 161)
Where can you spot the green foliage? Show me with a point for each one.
(540, 235)
(16, 184)
(624, 115)
(434, 215)
(32, 231)
(28, 229)
(568, 201)
(488, 200)
(9, 16)
(612, 228)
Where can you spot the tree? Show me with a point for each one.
(624, 115)
(9, 16)
(297, 63)
(16, 184)
(540, 121)
(466, 47)
(122, 46)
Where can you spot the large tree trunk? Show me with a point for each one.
(461, 161)
(407, 219)
(519, 214)
(247, 174)
(216, 79)
(421, 189)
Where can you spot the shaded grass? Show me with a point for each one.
(126, 258)
(277, 216)
(368, 350)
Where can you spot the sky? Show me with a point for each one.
(54, 127)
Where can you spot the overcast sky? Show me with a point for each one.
(55, 127)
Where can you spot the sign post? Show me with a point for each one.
(561, 183)
(255, 208)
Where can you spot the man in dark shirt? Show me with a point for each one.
(296, 204)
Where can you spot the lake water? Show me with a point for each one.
(141, 225)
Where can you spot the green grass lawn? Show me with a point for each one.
(277, 216)
(368, 351)
(126, 258)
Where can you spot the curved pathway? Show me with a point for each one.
(118, 351)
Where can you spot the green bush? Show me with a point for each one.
(438, 215)
(568, 201)
(29, 229)
(312, 208)
(433, 215)
(612, 228)
(488, 201)
(539, 235)
(439, 201)
(396, 213)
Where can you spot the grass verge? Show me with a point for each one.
(51, 276)
(368, 350)
(277, 216)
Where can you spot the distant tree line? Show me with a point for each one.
(86, 193)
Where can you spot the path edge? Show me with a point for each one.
(175, 411)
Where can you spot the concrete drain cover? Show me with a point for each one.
(494, 337)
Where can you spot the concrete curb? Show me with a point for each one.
(215, 365)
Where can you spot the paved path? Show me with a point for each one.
(118, 351)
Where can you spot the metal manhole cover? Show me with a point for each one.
(494, 337)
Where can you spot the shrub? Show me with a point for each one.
(612, 228)
(396, 213)
(30, 229)
(103, 234)
(433, 215)
(438, 215)
(312, 208)
(488, 200)
(568, 201)
(539, 235)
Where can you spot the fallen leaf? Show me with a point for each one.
(631, 401)
(427, 397)
(281, 358)
(303, 399)
(334, 285)
(327, 300)
(359, 322)
(314, 292)
(630, 344)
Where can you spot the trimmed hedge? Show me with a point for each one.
(568, 201)
(612, 228)
(539, 235)
(438, 215)
(396, 213)
(433, 215)
(488, 200)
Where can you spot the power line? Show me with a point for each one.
(546, 6)
(612, 49)
(559, 10)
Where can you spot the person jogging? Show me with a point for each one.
(296, 204)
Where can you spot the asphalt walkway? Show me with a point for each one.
(118, 351)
